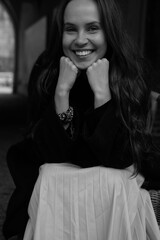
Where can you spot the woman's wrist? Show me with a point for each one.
(101, 99)
(66, 118)
(61, 100)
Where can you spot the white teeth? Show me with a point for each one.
(83, 53)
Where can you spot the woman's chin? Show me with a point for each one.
(82, 65)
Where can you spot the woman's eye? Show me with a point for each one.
(93, 29)
(69, 29)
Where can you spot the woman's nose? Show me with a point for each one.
(81, 38)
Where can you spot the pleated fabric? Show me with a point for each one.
(98, 203)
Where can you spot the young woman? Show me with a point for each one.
(89, 103)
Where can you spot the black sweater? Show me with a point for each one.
(98, 139)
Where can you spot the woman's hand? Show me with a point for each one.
(98, 77)
(67, 76)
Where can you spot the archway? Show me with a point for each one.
(7, 50)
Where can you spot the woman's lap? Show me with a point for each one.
(93, 203)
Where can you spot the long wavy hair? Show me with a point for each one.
(127, 75)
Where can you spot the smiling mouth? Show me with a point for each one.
(83, 53)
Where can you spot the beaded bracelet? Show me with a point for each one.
(67, 116)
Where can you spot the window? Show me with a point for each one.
(7, 51)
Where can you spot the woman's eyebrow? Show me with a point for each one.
(89, 23)
(70, 24)
(93, 23)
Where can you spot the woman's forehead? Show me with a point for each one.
(81, 10)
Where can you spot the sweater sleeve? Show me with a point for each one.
(50, 137)
(106, 137)
(98, 138)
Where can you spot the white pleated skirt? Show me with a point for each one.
(98, 203)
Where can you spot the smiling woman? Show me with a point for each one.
(89, 121)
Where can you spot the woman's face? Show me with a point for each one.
(83, 37)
